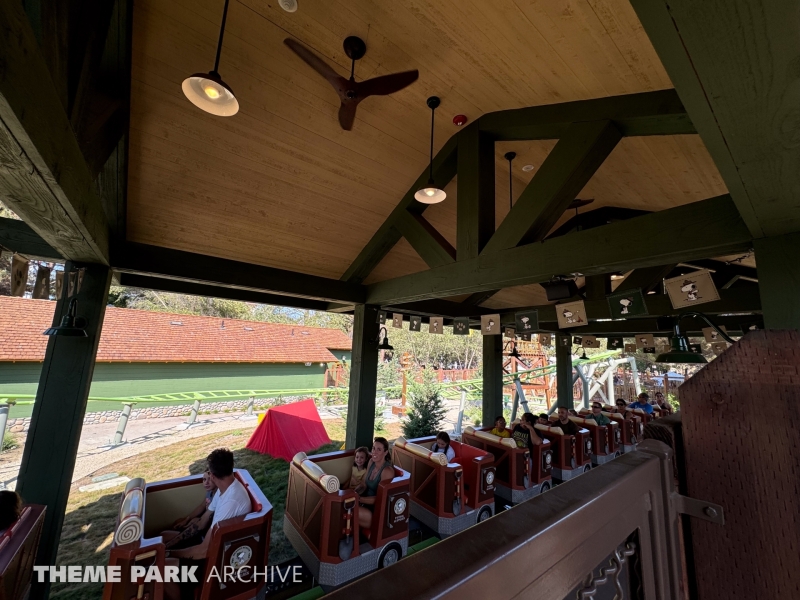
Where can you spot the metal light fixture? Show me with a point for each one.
(514, 352)
(71, 324)
(430, 194)
(207, 91)
(680, 352)
(384, 345)
(509, 156)
(583, 355)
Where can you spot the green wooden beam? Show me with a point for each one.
(363, 378)
(492, 404)
(177, 286)
(648, 278)
(564, 380)
(51, 447)
(431, 245)
(648, 113)
(597, 286)
(17, 236)
(779, 280)
(740, 300)
(45, 177)
(479, 298)
(734, 65)
(476, 191)
(661, 326)
(156, 261)
(597, 218)
(711, 227)
(444, 169)
(563, 174)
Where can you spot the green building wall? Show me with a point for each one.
(114, 380)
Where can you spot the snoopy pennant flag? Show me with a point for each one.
(461, 326)
(571, 314)
(691, 290)
(490, 324)
(627, 304)
(527, 321)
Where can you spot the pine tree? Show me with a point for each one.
(426, 409)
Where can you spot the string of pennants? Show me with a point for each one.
(684, 292)
(41, 288)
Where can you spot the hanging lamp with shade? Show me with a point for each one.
(207, 91)
(430, 194)
(510, 156)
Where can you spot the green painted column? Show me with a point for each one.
(51, 447)
(363, 377)
(779, 280)
(564, 379)
(492, 378)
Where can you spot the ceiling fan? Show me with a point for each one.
(350, 91)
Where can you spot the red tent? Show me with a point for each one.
(289, 429)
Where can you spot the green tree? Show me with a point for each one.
(426, 409)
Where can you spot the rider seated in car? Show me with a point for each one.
(189, 530)
(564, 422)
(500, 427)
(524, 434)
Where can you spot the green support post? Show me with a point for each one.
(45, 475)
(363, 377)
(564, 371)
(779, 280)
(492, 378)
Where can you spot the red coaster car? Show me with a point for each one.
(572, 454)
(148, 509)
(519, 475)
(631, 430)
(321, 520)
(613, 437)
(602, 437)
(448, 498)
(18, 546)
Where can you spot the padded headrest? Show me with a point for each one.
(613, 414)
(556, 430)
(639, 411)
(583, 421)
(329, 483)
(438, 457)
(490, 437)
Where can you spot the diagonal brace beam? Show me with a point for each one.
(567, 169)
(434, 249)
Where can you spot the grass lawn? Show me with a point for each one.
(91, 516)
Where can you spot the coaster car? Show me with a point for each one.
(18, 546)
(147, 509)
(613, 436)
(519, 474)
(630, 429)
(602, 437)
(448, 498)
(321, 519)
(572, 454)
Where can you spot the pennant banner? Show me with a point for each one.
(691, 290)
(527, 321)
(19, 275)
(616, 343)
(711, 335)
(41, 290)
(382, 317)
(590, 341)
(630, 347)
(59, 284)
(510, 333)
(415, 323)
(719, 347)
(545, 339)
(436, 325)
(397, 320)
(490, 324)
(645, 340)
(571, 314)
(627, 304)
(461, 326)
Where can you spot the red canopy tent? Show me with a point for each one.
(289, 429)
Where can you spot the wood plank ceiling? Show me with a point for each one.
(280, 184)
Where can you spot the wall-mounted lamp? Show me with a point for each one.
(384, 345)
(71, 324)
(680, 352)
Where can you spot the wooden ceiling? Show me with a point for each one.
(280, 184)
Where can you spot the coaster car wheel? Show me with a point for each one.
(390, 555)
(484, 513)
(545, 487)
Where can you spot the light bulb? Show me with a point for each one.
(429, 192)
(211, 92)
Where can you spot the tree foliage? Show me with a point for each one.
(425, 409)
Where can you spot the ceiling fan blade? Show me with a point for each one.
(386, 84)
(320, 66)
(347, 114)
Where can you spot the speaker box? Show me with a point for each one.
(560, 290)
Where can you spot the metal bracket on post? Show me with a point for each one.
(460, 420)
(708, 511)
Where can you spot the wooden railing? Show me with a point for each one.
(612, 528)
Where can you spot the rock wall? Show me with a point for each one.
(158, 412)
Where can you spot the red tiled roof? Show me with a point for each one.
(143, 336)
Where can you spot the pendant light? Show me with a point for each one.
(430, 194)
(680, 352)
(509, 156)
(207, 91)
(71, 324)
